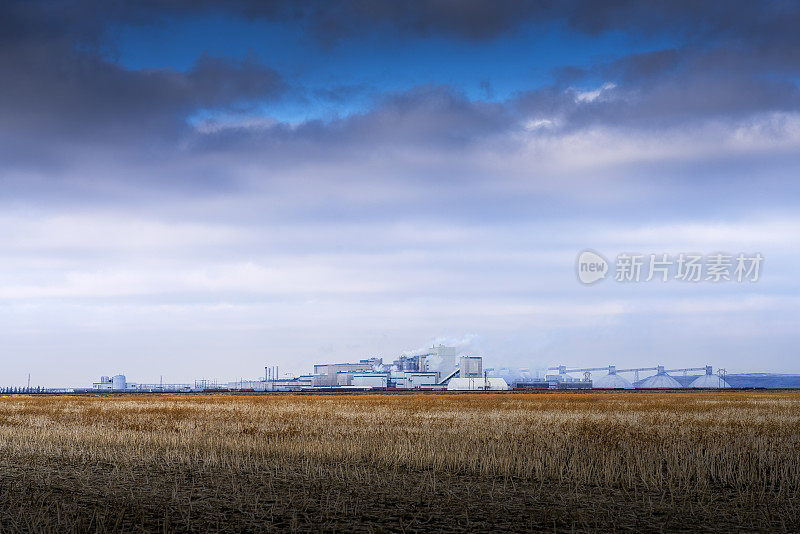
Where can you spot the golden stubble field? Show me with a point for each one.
(674, 461)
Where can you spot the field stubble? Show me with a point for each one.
(714, 461)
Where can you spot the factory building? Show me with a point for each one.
(438, 369)
(445, 358)
(113, 383)
(439, 358)
(371, 380)
(470, 367)
(415, 380)
(428, 370)
(120, 384)
(340, 374)
(477, 384)
(272, 384)
(418, 362)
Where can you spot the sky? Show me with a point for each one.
(199, 189)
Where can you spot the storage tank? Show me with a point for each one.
(708, 380)
(611, 381)
(118, 383)
(661, 380)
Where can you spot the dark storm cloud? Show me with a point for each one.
(51, 90)
(59, 88)
(762, 22)
(765, 22)
(673, 86)
(729, 60)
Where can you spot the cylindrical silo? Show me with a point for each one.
(118, 383)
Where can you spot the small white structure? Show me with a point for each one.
(477, 384)
(103, 385)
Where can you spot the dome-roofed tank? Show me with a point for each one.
(611, 381)
(708, 380)
(660, 380)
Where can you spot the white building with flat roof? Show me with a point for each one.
(477, 384)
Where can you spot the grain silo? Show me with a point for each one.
(708, 381)
(661, 380)
(611, 381)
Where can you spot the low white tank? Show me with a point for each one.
(660, 381)
(611, 381)
(708, 380)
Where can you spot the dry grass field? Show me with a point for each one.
(679, 461)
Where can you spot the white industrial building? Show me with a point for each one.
(445, 358)
(371, 380)
(470, 367)
(438, 368)
(477, 384)
(113, 383)
(340, 374)
(414, 379)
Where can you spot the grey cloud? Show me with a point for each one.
(74, 94)
(736, 58)
(57, 97)
(666, 88)
(434, 116)
(58, 80)
(769, 21)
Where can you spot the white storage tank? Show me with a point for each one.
(708, 381)
(661, 380)
(118, 383)
(611, 381)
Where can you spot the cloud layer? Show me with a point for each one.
(164, 221)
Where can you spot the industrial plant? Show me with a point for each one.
(440, 368)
